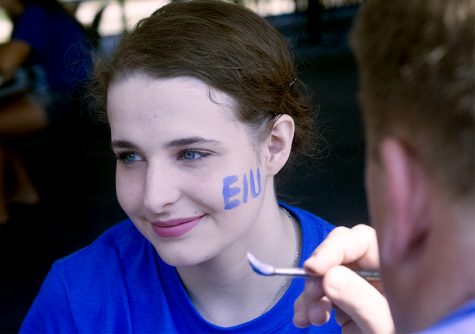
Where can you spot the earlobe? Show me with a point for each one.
(279, 144)
(406, 196)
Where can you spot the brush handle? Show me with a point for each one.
(300, 272)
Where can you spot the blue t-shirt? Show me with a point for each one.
(59, 45)
(119, 284)
(461, 321)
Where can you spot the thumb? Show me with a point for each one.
(359, 300)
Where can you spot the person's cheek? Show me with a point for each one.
(129, 188)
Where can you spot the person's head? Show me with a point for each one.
(416, 62)
(202, 97)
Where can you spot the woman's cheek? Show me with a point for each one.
(128, 190)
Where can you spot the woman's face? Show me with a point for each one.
(188, 174)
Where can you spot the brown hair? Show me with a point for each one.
(228, 47)
(416, 61)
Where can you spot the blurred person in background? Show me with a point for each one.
(54, 49)
(417, 66)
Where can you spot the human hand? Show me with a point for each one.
(360, 307)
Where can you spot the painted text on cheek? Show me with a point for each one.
(234, 195)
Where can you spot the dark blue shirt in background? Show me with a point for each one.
(59, 45)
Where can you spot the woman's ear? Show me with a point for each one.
(407, 196)
(278, 144)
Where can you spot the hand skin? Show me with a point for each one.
(360, 307)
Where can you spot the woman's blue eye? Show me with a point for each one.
(128, 158)
(192, 155)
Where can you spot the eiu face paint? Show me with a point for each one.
(236, 190)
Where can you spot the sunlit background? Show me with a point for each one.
(116, 17)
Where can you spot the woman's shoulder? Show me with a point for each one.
(117, 244)
(96, 283)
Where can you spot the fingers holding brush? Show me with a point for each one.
(356, 248)
(360, 307)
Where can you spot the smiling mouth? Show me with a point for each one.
(176, 228)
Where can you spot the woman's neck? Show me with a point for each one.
(225, 290)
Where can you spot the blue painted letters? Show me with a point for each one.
(229, 191)
(253, 183)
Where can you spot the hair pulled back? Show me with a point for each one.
(228, 47)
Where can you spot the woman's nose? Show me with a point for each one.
(161, 188)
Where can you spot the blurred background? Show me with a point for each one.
(73, 167)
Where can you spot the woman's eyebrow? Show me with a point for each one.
(174, 143)
(122, 144)
(192, 140)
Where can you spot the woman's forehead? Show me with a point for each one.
(170, 89)
(179, 105)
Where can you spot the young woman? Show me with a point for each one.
(204, 111)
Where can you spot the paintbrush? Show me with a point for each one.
(268, 270)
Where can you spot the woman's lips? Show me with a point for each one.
(176, 227)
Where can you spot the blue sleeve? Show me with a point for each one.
(50, 312)
(31, 27)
